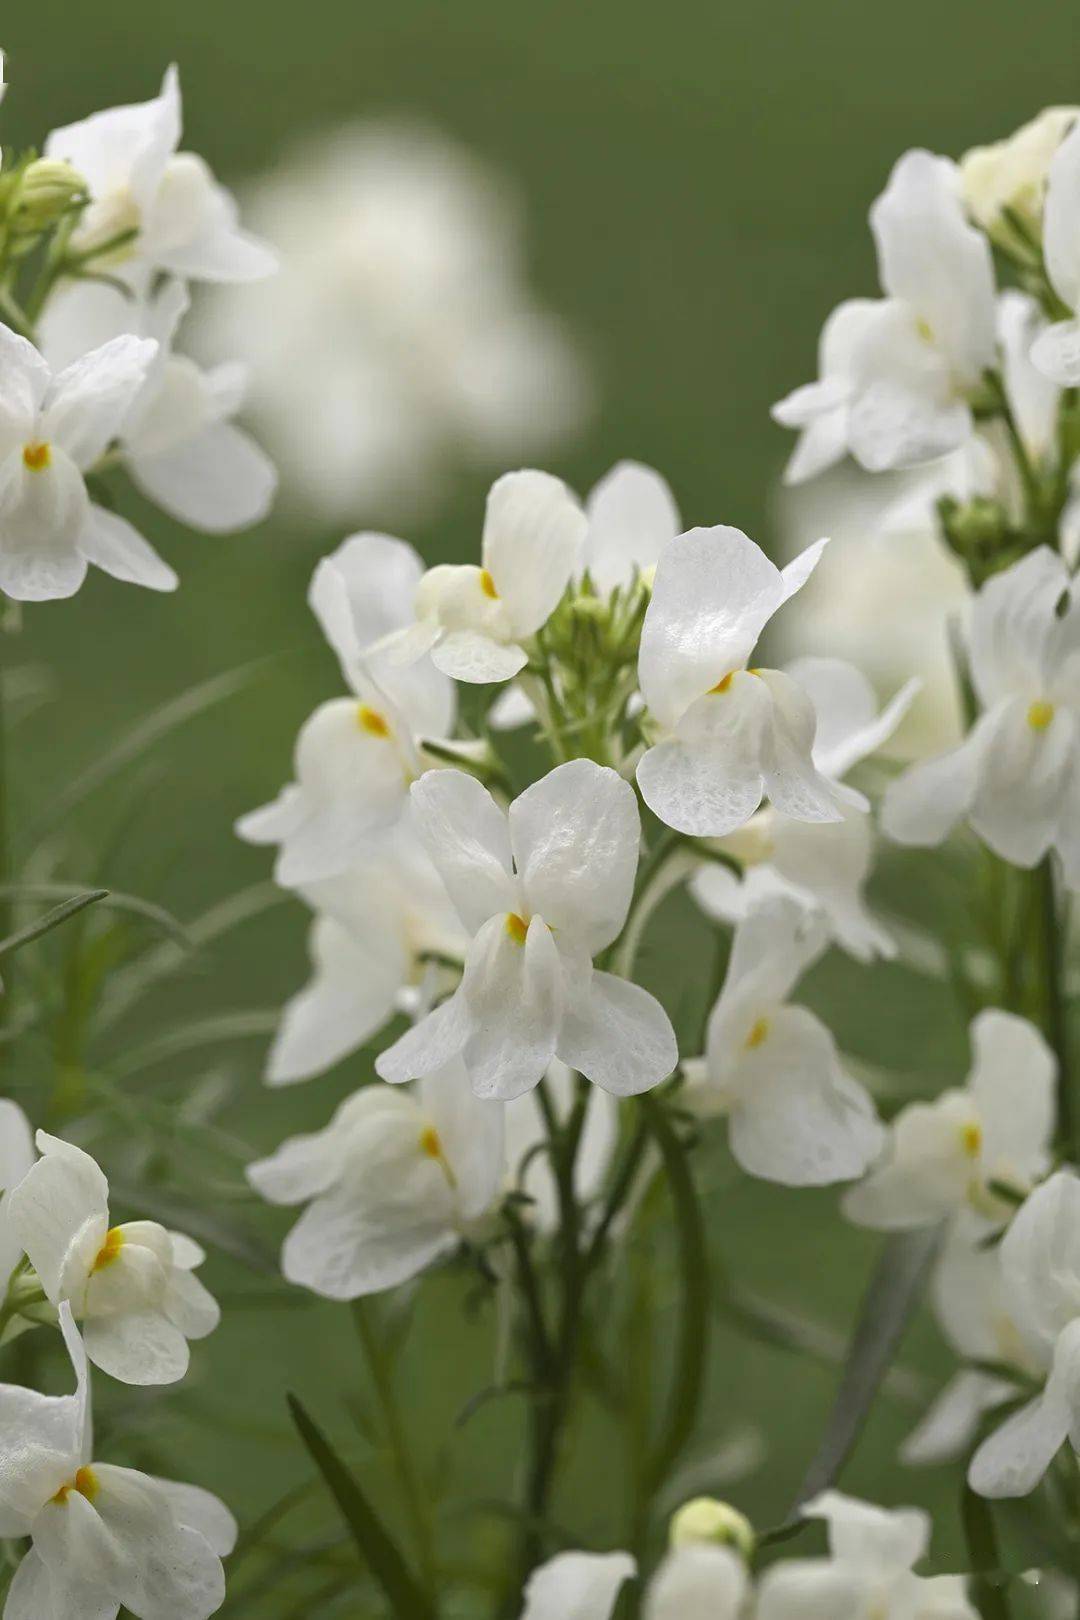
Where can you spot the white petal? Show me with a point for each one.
(274, 822)
(467, 837)
(884, 1540)
(698, 1583)
(1023, 783)
(513, 994)
(191, 228)
(1056, 353)
(339, 1250)
(618, 1036)
(577, 1586)
(42, 514)
(1013, 1083)
(706, 779)
(137, 1347)
(38, 1593)
(777, 942)
(1059, 220)
(123, 144)
(792, 781)
(113, 544)
(1012, 627)
(16, 1157)
(849, 726)
(189, 1306)
(632, 517)
(472, 1134)
(54, 1203)
(202, 1511)
(575, 836)
(533, 531)
(88, 401)
(922, 806)
(429, 1045)
(469, 655)
(1016, 1456)
(217, 481)
(947, 1428)
(25, 382)
(813, 1589)
(1040, 1257)
(172, 1571)
(904, 409)
(714, 592)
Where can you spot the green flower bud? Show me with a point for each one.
(49, 188)
(705, 1519)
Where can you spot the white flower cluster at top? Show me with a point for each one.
(479, 914)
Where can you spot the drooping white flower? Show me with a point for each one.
(395, 1180)
(473, 620)
(373, 927)
(1014, 776)
(133, 1286)
(541, 891)
(943, 1156)
(869, 1571)
(632, 517)
(1057, 350)
(898, 374)
(821, 864)
(100, 1536)
(727, 735)
(356, 757)
(16, 1156)
(1040, 1260)
(53, 429)
(186, 222)
(577, 1586)
(526, 1130)
(794, 1114)
(1011, 175)
(400, 342)
(968, 1294)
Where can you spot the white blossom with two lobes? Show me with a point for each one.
(727, 736)
(396, 1180)
(541, 891)
(100, 1536)
(822, 864)
(1014, 777)
(1057, 350)
(898, 373)
(53, 431)
(794, 1115)
(132, 1287)
(355, 758)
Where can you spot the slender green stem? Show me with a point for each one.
(411, 1488)
(1052, 923)
(981, 1536)
(6, 903)
(621, 1188)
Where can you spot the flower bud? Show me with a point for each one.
(1011, 175)
(705, 1519)
(48, 189)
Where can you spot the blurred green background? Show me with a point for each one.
(696, 178)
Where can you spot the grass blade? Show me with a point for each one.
(51, 919)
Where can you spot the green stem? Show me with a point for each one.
(411, 1489)
(6, 903)
(1052, 924)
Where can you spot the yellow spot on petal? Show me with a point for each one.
(37, 457)
(721, 686)
(431, 1146)
(110, 1249)
(85, 1482)
(757, 1034)
(487, 585)
(971, 1138)
(925, 331)
(1040, 715)
(516, 927)
(369, 719)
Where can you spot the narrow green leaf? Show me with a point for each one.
(377, 1548)
(110, 899)
(51, 919)
(235, 1026)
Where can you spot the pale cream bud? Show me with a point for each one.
(705, 1519)
(1012, 173)
(46, 191)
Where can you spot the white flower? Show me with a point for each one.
(16, 1156)
(868, 1573)
(132, 1286)
(897, 374)
(53, 429)
(577, 1586)
(943, 1156)
(728, 734)
(972, 1311)
(821, 864)
(474, 620)
(138, 181)
(526, 1131)
(1011, 174)
(1040, 1260)
(373, 926)
(400, 342)
(699, 1582)
(1014, 776)
(542, 891)
(632, 517)
(794, 1115)
(1057, 350)
(356, 757)
(100, 1536)
(394, 1181)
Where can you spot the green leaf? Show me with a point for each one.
(110, 899)
(377, 1548)
(51, 919)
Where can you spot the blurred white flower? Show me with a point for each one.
(100, 1536)
(1040, 1259)
(153, 207)
(898, 373)
(133, 1286)
(395, 1180)
(577, 1586)
(943, 1156)
(795, 1116)
(1009, 176)
(726, 735)
(698, 1582)
(400, 340)
(542, 890)
(53, 429)
(1057, 350)
(632, 518)
(16, 1156)
(824, 864)
(1015, 776)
